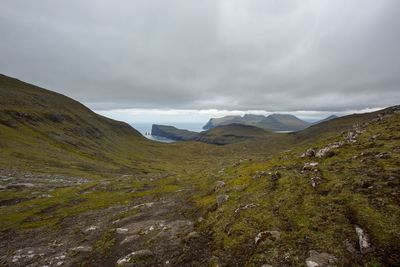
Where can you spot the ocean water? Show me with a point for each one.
(145, 129)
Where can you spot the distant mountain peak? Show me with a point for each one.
(273, 122)
(331, 117)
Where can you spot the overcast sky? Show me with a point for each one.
(125, 56)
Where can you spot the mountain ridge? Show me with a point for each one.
(219, 135)
(273, 122)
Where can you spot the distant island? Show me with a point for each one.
(273, 122)
(240, 128)
(220, 135)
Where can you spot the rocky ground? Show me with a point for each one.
(153, 231)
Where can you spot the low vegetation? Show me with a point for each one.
(78, 189)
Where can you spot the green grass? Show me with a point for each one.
(324, 217)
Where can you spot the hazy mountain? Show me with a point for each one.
(331, 117)
(221, 121)
(274, 122)
(220, 135)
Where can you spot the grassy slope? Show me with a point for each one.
(49, 130)
(45, 131)
(357, 189)
(233, 133)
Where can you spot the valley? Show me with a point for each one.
(80, 189)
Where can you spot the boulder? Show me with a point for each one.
(122, 231)
(222, 199)
(245, 207)
(323, 259)
(19, 185)
(141, 256)
(130, 238)
(308, 166)
(219, 186)
(351, 137)
(374, 137)
(363, 240)
(275, 175)
(82, 249)
(91, 228)
(325, 152)
(260, 174)
(267, 236)
(316, 181)
(349, 247)
(382, 155)
(191, 236)
(309, 153)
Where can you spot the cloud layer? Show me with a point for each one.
(234, 55)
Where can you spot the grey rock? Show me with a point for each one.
(260, 174)
(136, 255)
(214, 261)
(19, 185)
(323, 259)
(363, 240)
(222, 199)
(129, 239)
(267, 236)
(82, 249)
(383, 155)
(350, 248)
(309, 153)
(245, 207)
(191, 235)
(122, 231)
(275, 175)
(325, 152)
(351, 137)
(219, 186)
(316, 181)
(308, 166)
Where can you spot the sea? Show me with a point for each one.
(145, 129)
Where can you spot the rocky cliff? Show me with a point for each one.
(273, 122)
(173, 133)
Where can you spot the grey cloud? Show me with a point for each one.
(272, 55)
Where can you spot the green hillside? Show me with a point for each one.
(233, 133)
(300, 207)
(50, 130)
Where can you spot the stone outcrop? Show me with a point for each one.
(267, 236)
(323, 259)
(144, 255)
(219, 186)
(309, 153)
(363, 240)
(222, 199)
(310, 166)
(247, 206)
